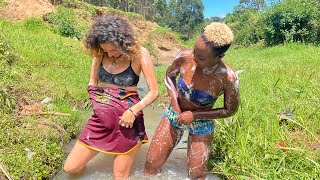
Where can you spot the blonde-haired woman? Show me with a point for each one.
(194, 81)
(117, 125)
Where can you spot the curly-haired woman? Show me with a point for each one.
(203, 77)
(117, 125)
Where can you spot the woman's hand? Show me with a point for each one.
(127, 119)
(185, 118)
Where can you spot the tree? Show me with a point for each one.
(187, 14)
(161, 14)
(213, 19)
(293, 21)
(258, 5)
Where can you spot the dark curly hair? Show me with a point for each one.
(111, 29)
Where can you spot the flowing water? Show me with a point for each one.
(101, 166)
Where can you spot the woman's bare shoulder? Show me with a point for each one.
(97, 57)
(226, 72)
(185, 53)
(144, 51)
(183, 56)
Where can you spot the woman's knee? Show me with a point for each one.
(70, 169)
(197, 175)
(121, 175)
(152, 166)
(121, 172)
(151, 158)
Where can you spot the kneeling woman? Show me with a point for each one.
(203, 77)
(117, 125)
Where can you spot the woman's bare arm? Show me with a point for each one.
(170, 82)
(231, 100)
(94, 70)
(150, 76)
(231, 103)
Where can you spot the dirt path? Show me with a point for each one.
(20, 9)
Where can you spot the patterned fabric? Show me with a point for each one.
(103, 132)
(199, 126)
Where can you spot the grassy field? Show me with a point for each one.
(36, 62)
(260, 141)
(276, 131)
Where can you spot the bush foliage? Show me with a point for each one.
(283, 22)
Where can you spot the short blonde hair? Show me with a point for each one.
(219, 35)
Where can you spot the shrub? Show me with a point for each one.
(246, 26)
(7, 59)
(292, 21)
(63, 19)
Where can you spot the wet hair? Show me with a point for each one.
(111, 29)
(219, 36)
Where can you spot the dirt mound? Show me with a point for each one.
(21, 9)
(167, 46)
(164, 46)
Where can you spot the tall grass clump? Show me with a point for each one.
(36, 63)
(64, 20)
(8, 60)
(276, 132)
(72, 18)
(160, 75)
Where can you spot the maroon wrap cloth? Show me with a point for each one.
(103, 132)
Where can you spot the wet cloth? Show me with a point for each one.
(103, 132)
(199, 126)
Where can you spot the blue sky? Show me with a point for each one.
(218, 7)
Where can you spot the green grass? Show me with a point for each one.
(37, 63)
(187, 43)
(274, 79)
(160, 74)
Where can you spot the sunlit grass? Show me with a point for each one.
(160, 74)
(274, 80)
(48, 66)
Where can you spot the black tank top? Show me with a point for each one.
(126, 78)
